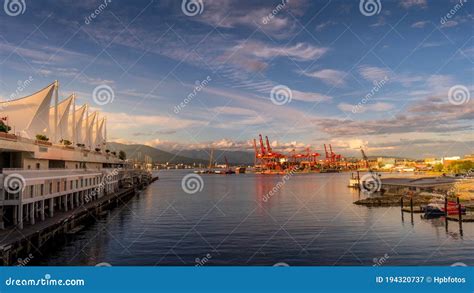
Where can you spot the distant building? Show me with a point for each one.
(448, 160)
(469, 157)
(432, 161)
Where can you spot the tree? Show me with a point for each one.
(460, 167)
(122, 155)
(65, 142)
(4, 128)
(438, 167)
(42, 137)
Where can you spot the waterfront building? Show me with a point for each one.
(53, 157)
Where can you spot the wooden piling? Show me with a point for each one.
(446, 211)
(459, 215)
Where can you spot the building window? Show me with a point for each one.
(38, 165)
(42, 189)
(58, 186)
(50, 187)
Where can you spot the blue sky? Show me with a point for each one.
(382, 81)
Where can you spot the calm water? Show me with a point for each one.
(310, 221)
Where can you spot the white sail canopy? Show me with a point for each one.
(80, 115)
(89, 126)
(62, 128)
(100, 140)
(29, 116)
(34, 114)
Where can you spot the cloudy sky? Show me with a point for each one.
(396, 77)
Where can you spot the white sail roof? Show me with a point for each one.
(29, 116)
(34, 114)
(62, 128)
(80, 114)
(100, 140)
(89, 125)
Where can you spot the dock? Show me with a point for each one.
(15, 242)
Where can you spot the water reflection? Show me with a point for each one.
(309, 220)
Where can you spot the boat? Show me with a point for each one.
(240, 170)
(354, 181)
(225, 172)
(437, 207)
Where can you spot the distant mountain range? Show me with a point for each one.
(139, 151)
(201, 156)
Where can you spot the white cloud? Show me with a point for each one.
(309, 96)
(299, 51)
(413, 3)
(329, 76)
(375, 107)
(420, 24)
(372, 73)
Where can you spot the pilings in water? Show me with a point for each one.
(16, 243)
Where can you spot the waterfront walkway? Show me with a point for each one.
(13, 234)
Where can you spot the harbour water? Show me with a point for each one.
(309, 220)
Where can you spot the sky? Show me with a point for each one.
(395, 77)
